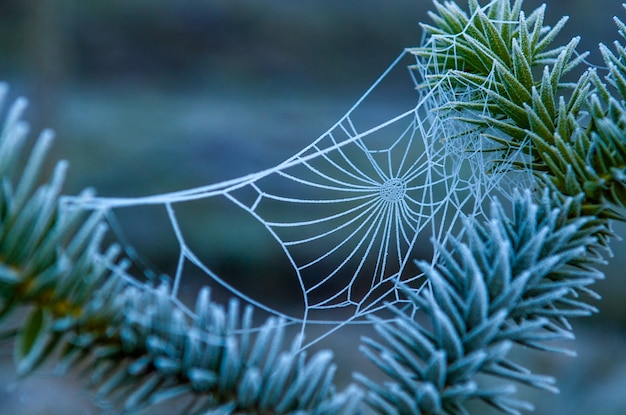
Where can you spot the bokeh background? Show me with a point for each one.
(149, 96)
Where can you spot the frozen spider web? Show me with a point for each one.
(348, 209)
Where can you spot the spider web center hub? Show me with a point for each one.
(393, 190)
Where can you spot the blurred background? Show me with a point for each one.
(149, 96)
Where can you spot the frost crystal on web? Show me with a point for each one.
(348, 209)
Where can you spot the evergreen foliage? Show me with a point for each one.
(515, 279)
(134, 344)
(509, 281)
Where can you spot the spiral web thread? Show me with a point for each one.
(361, 195)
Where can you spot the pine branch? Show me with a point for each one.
(135, 345)
(512, 280)
(503, 58)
